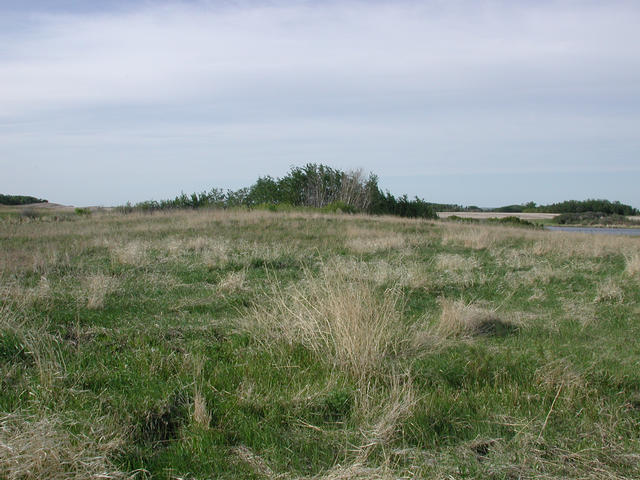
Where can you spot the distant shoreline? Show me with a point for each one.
(485, 215)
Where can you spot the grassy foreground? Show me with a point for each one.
(217, 344)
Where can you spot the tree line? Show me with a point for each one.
(19, 199)
(574, 206)
(312, 186)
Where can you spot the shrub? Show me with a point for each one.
(19, 200)
(30, 213)
(338, 206)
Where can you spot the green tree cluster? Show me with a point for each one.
(19, 200)
(312, 185)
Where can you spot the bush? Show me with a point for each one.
(512, 221)
(30, 213)
(593, 218)
(82, 211)
(19, 200)
(339, 207)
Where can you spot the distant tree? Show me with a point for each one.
(19, 199)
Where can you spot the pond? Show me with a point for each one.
(634, 232)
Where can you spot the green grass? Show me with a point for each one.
(264, 344)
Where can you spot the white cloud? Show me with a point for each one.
(179, 53)
(405, 87)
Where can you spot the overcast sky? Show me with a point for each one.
(471, 102)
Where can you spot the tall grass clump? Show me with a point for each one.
(632, 262)
(39, 448)
(349, 322)
(461, 319)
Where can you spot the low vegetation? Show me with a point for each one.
(19, 200)
(313, 186)
(212, 343)
(594, 218)
(590, 206)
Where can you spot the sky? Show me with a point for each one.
(482, 103)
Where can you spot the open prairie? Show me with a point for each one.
(251, 344)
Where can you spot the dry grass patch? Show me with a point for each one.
(560, 374)
(96, 288)
(477, 238)
(130, 253)
(609, 291)
(212, 251)
(400, 272)
(458, 269)
(383, 413)
(361, 240)
(36, 342)
(460, 319)
(39, 448)
(568, 244)
(233, 281)
(455, 262)
(346, 322)
(632, 264)
(15, 293)
(199, 411)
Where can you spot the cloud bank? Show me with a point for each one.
(218, 93)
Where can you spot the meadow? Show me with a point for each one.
(253, 344)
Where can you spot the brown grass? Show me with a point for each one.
(199, 412)
(460, 319)
(233, 281)
(347, 322)
(362, 240)
(632, 261)
(130, 253)
(399, 271)
(609, 291)
(477, 237)
(43, 448)
(96, 288)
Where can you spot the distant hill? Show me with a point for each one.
(19, 199)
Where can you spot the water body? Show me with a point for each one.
(634, 232)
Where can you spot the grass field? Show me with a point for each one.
(220, 344)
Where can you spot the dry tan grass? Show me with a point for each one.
(477, 237)
(609, 291)
(43, 448)
(458, 269)
(455, 262)
(199, 412)
(399, 271)
(96, 288)
(233, 281)
(15, 293)
(560, 374)
(460, 319)
(348, 323)
(632, 262)
(362, 240)
(130, 253)
(254, 461)
(568, 244)
(41, 346)
(383, 413)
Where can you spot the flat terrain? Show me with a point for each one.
(235, 344)
(485, 215)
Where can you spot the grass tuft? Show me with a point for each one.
(38, 448)
(349, 323)
(460, 319)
